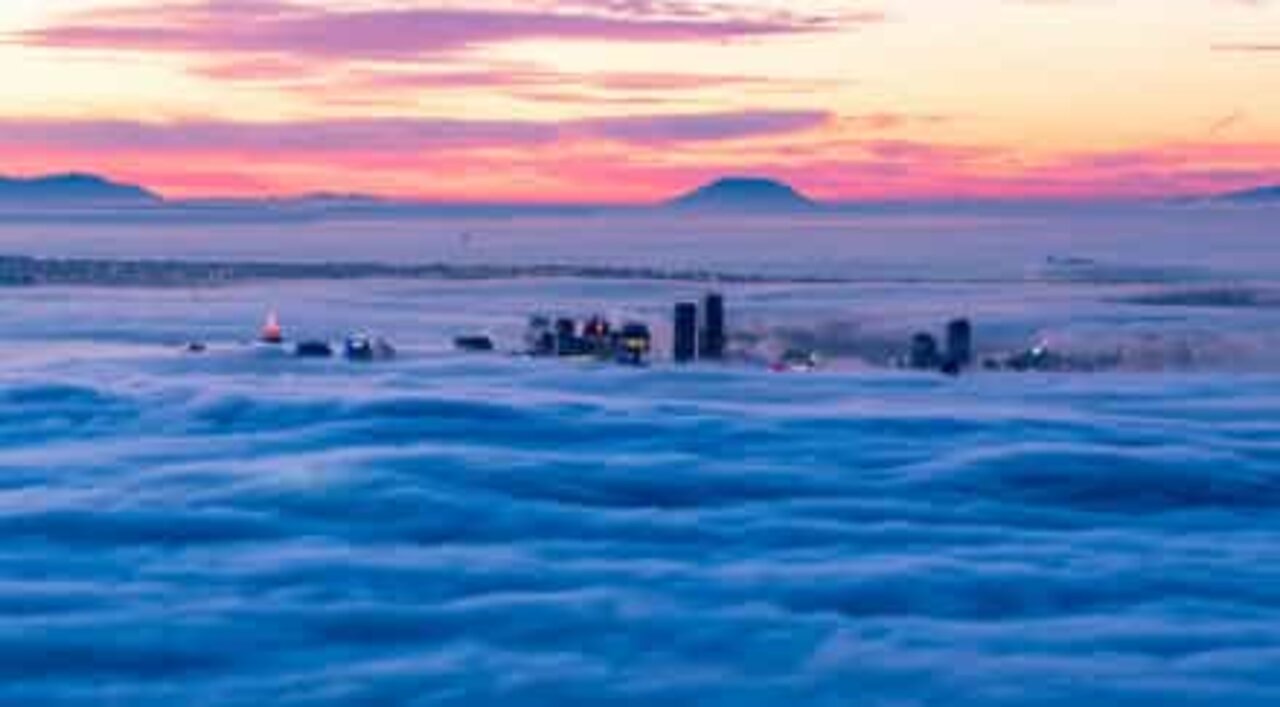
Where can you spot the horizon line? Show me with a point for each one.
(375, 199)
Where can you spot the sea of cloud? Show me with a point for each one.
(242, 528)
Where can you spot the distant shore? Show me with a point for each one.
(32, 271)
(23, 271)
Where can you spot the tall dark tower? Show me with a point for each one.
(713, 340)
(685, 341)
(960, 343)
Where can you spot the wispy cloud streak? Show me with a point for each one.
(399, 134)
(277, 26)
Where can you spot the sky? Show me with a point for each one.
(629, 101)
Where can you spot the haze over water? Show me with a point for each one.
(958, 242)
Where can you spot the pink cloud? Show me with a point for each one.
(701, 128)
(279, 26)
(317, 136)
(399, 134)
(607, 159)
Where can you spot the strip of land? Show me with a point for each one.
(28, 271)
(22, 271)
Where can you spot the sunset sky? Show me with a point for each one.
(633, 100)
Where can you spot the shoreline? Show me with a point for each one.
(30, 271)
(160, 273)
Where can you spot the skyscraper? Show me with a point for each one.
(713, 340)
(685, 333)
(960, 343)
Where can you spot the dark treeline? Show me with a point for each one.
(30, 271)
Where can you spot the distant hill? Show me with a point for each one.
(745, 194)
(71, 189)
(1260, 195)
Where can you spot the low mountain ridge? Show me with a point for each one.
(745, 194)
(72, 188)
(1258, 195)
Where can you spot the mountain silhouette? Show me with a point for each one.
(745, 194)
(73, 188)
(1259, 195)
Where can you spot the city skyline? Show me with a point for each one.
(635, 100)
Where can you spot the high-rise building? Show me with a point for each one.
(713, 340)
(685, 333)
(960, 343)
